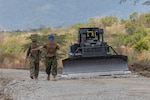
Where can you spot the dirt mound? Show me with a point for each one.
(141, 69)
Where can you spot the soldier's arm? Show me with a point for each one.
(28, 53)
(60, 48)
(38, 48)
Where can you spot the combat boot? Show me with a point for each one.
(48, 77)
(54, 78)
(31, 77)
(36, 78)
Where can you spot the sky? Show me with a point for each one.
(29, 14)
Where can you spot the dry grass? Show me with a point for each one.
(115, 29)
(137, 61)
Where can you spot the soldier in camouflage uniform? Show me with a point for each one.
(50, 57)
(34, 58)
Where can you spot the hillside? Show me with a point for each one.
(128, 37)
(23, 15)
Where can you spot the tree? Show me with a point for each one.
(108, 20)
(133, 16)
(138, 35)
(141, 45)
(94, 22)
(147, 2)
(41, 39)
(76, 26)
(145, 19)
(45, 30)
(134, 23)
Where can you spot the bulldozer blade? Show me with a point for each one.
(95, 64)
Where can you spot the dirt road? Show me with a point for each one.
(21, 87)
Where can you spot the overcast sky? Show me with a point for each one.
(27, 14)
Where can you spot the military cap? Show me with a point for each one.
(33, 40)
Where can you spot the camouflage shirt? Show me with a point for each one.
(34, 54)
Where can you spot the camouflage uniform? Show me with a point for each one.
(51, 65)
(34, 58)
(50, 59)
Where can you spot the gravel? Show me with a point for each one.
(119, 87)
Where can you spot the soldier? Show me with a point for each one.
(34, 58)
(90, 36)
(50, 58)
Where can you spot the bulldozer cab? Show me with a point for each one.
(88, 36)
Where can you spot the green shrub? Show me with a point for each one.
(141, 46)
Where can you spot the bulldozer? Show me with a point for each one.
(92, 54)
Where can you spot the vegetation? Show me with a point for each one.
(130, 37)
(146, 2)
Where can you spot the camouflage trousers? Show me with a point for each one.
(51, 65)
(34, 68)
